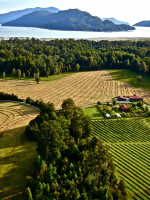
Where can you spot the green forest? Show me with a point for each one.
(70, 164)
(57, 56)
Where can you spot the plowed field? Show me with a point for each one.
(84, 88)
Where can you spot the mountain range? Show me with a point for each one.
(143, 23)
(72, 19)
(115, 21)
(16, 14)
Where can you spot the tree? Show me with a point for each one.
(28, 194)
(37, 79)
(28, 72)
(13, 72)
(4, 74)
(23, 75)
(143, 67)
(68, 104)
(146, 67)
(47, 74)
(77, 67)
(18, 73)
(139, 79)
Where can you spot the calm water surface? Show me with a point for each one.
(8, 31)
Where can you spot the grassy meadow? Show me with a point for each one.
(128, 76)
(92, 112)
(16, 153)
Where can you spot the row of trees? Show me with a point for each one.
(71, 164)
(58, 56)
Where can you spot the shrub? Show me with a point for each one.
(28, 100)
(146, 108)
(114, 102)
(108, 109)
(116, 109)
(98, 103)
(148, 113)
(140, 103)
(124, 114)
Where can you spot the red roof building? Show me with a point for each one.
(125, 108)
(135, 98)
(121, 98)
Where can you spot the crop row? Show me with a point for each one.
(133, 167)
(122, 130)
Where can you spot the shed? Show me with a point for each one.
(125, 108)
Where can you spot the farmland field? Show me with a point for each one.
(16, 153)
(84, 88)
(129, 142)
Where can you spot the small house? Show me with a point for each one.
(125, 108)
(120, 98)
(135, 98)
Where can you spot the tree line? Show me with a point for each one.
(29, 56)
(71, 164)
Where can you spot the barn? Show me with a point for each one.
(135, 98)
(125, 108)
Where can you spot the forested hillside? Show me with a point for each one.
(72, 19)
(58, 56)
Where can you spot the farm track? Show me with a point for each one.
(129, 143)
(85, 88)
(16, 153)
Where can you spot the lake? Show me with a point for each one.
(8, 31)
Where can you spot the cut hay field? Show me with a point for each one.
(84, 88)
(16, 153)
(129, 143)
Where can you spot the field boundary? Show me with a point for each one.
(23, 103)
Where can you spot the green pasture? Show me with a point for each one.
(92, 112)
(129, 76)
(129, 143)
(16, 153)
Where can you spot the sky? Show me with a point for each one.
(131, 11)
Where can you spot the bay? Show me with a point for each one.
(23, 32)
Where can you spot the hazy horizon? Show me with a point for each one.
(127, 11)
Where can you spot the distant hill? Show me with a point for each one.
(16, 14)
(72, 19)
(115, 21)
(143, 23)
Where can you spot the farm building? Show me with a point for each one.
(121, 98)
(135, 98)
(124, 108)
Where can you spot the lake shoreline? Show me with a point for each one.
(93, 38)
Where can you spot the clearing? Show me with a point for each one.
(84, 88)
(16, 153)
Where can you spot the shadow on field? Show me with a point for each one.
(16, 158)
(129, 76)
